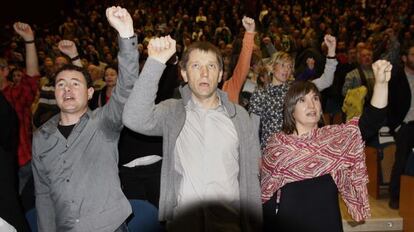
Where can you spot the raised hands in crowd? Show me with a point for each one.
(382, 73)
(25, 31)
(161, 49)
(68, 48)
(330, 42)
(121, 20)
(248, 24)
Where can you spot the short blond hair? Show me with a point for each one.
(279, 58)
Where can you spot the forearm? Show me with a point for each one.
(327, 77)
(32, 63)
(140, 112)
(127, 75)
(380, 95)
(234, 84)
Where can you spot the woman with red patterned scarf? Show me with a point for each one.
(305, 166)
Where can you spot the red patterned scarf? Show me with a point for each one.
(337, 150)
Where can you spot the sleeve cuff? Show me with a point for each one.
(126, 44)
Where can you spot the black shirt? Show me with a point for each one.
(66, 130)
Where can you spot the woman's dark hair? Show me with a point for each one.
(297, 90)
(71, 67)
(111, 66)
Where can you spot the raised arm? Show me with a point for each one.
(68, 48)
(32, 63)
(234, 85)
(121, 20)
(141, 114)
(374, 115)
(327, 77)
(382, 72)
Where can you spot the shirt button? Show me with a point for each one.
(67, 180)
(64, 161)
(73, 201)
(77, 220)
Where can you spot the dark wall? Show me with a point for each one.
(43, 13)
(38, 12)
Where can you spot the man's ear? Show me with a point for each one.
(90, 93)
(184, 75)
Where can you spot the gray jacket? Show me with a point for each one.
(76, 179)
(167, 119)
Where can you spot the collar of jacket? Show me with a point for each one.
(185, 92)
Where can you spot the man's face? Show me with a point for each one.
(72, 93)
(409, 59)
(365, 58)
(203, 74)
(60, 61)
(352, 54)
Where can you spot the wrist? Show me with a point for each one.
(77, 57)
(381, 84)
(29, 41)
(331, 56)
(127, 35)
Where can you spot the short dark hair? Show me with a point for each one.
(297, 90)
(111, 66)
(205, 47)
(404, 51)
(71, 67)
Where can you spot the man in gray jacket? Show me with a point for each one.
(209, 177)
(75, 156)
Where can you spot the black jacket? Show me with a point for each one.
(399, 98)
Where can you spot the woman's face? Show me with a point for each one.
(307, 112)
(281, 72)
(17, 76)
(111, 75)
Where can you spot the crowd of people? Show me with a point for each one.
(203, 115)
